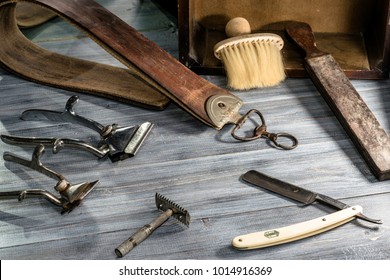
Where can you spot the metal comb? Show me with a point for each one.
(70, 195)
(170, 209)
(118, 143)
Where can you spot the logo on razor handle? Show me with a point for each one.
(224, 109)
(271, 234)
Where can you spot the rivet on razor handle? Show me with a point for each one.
(70, 195)
(223, 109)
(118, 143)
(170, 209)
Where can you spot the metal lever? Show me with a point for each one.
(70, 195)
(68, 115)
(118, 143)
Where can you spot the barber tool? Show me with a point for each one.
(298, 231)
(207, 102)
(70, 195)
(118, 143)
(250, 60)
(351, 110)
(170, 209)
(30, 61)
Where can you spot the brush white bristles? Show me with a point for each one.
(252, 60)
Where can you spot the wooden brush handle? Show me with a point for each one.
(303, 36)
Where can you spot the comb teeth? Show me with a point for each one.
(179, 212)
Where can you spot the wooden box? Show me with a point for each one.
(355, 32)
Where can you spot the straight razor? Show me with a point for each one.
(290, 233)
(296, 193)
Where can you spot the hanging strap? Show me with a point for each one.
(209, 103)
(28, 60)
(30, 15)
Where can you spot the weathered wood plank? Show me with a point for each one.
(190, 163)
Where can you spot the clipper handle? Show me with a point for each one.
(34, 163)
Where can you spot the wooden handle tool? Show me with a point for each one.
(353, 113)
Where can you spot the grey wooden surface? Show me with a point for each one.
(188, 162)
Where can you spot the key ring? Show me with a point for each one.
(261, 130)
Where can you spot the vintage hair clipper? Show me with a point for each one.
(70, 195)
(170, 209)
(118, 143)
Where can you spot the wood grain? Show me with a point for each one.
(191, 164)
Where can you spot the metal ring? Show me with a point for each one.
(242, 121)
(274, 137)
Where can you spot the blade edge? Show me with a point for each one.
(277, 186)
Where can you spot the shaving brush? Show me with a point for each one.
(250, 60)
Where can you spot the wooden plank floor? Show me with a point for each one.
(188, 162)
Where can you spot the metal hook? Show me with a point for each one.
(261, 130)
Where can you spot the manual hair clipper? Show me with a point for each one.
(70, 195)
(207, 102)
(118, 143)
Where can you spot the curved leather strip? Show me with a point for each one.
(30, 15)
(134, 50)
(24, 58)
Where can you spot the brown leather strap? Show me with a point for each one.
(24, 58)
(30, 15)
(151, 63)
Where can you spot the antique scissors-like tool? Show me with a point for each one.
(118, 143)
(70, 195)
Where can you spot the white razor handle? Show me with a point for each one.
(294, 232)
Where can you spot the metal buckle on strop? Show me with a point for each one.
(223, 109)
